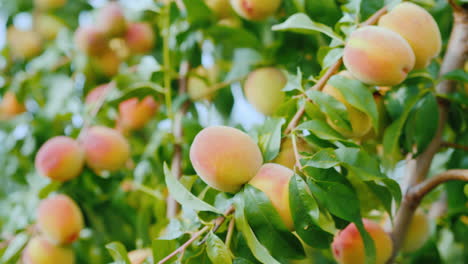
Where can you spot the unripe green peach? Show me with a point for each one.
(24, 44)
(134, 114)
(140, 38)
(60, 219)
(418, 27)
(255, 9)
(97, 93)
(107, 63)
(286, 156)
(199, 83)
(111, 20)
(41, 251)
(49, 4)
(10, 106)
(419, 232)
(90, 41)
(378, 56)
(47, 26)
(263, 89)
(139, 256)
(348, 247)
(273, 180)
(225, 158)
(222, 8)
(60, 159)
(360, 122)
(105, 148)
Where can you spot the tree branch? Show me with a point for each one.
(185, 245)
(455, 57)
(453, 145)
(419, 191)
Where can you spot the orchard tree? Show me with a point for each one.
(234, 131)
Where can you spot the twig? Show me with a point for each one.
(218, 86)
(167, 59)
(455, 57)
(453, 145)
(454, 5)
(219, 221)
(185, 245)
(297, 156)
(419, 191)
(230, 232)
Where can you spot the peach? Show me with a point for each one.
(418, 27)
(139, 256)
(97, 93)
(90, 41)
(107, 63)
(419, 232)
(360, 122)
(225, 158)
(378, 56)
(222, 8)
(47, 25)
(49, 4)
(111, 20)
(199, 83)
(134, 114)
(263, 89)
(105, 148)
(286, 155)
(255, 10)
(10, 106)
(348, 247)
(140, 38)
(273, 180)
(60, 219)
(40, 251)
(23, 44)
(60, 158)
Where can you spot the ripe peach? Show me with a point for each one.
(263, 89)
(60, 219)
(199, 83)
(23, 44)
(107, 63)
(60, 158)
(360, 122)
(105, 148)
(140, 38)
(419, 232)
(273, 180)
(111, 20)
(418, 27)
(40, 251)
(378, 56)
(10, 107)
(95, 94)
(47, 26)
(134, 114)
(348, 247)
(222, 8)
(286, 155)
(49, 4)
(90, 41)
(225, 158)
(255, 9)
(139, 256)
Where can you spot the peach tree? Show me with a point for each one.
(233, 131)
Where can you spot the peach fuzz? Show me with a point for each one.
(255, 10)
(40, 251)
(378, 56)
(134, 114)
(60, 219)
(418, 27)
(24, 44)
(10, 106)
(140, 38)
(225, 158)
(286, 156)
(348, 247)
(97, 93)
(263, 89)
(273, 180)
(60, 158)
(138, 256)
(106, 149)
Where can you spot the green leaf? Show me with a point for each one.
(258, 250)
(457, 75)
(269, 226)
(183, 196)
(357, 95)
(334, 109)
(301, 23)
(217, 250)
(306, 215)
(118, 252)
(162, 248)
(324, 159)
(14, 247)
(198, 11)
(269, 138)
(322, 130)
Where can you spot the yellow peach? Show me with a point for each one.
(40, 251)
(255, 10)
